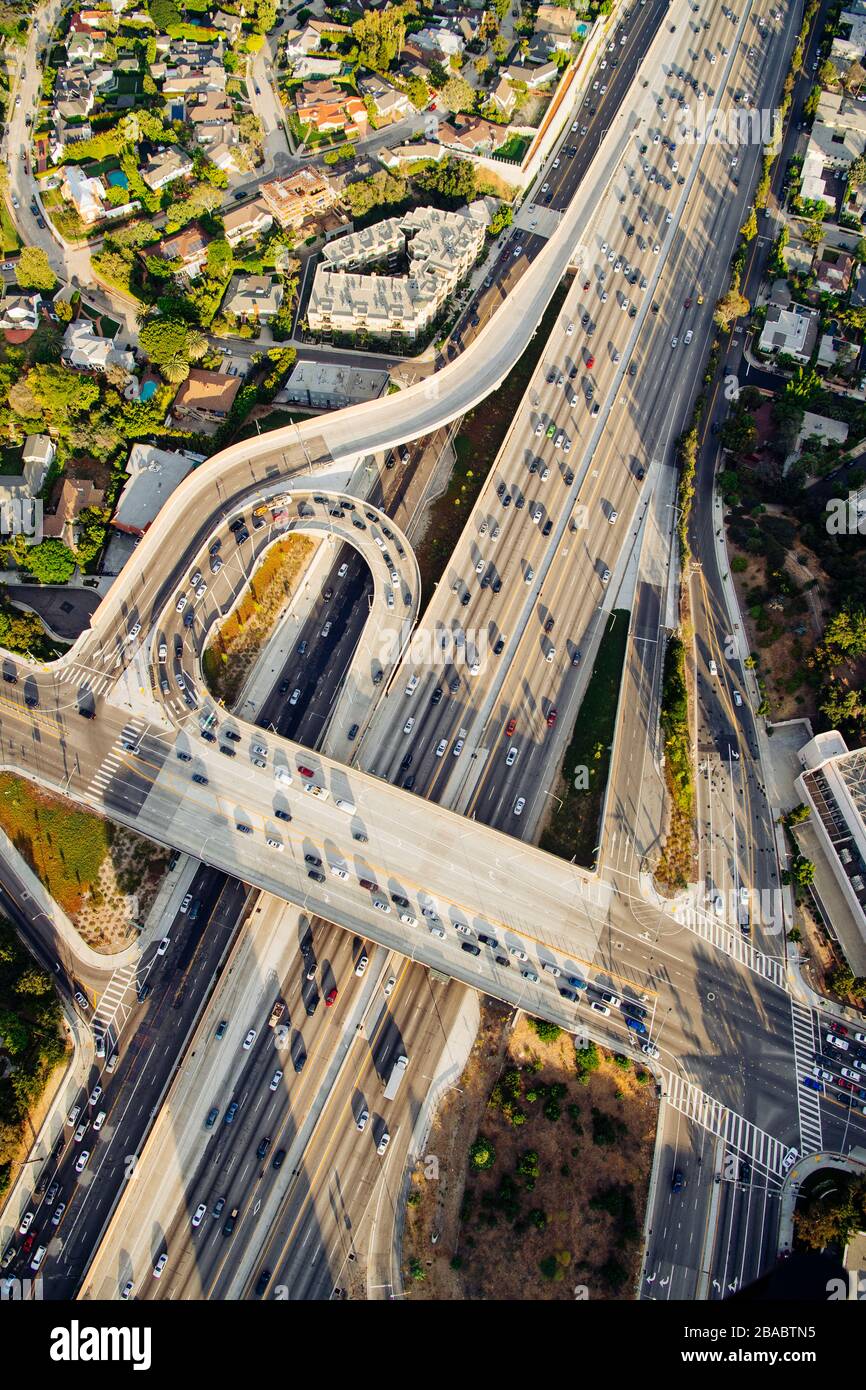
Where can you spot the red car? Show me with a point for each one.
(687, 304)
(551, 718)
(28, 1243)
(590, 362)
(305, 771)
(586, 284)
(510, 727)
(838, 1028)
(330, 997)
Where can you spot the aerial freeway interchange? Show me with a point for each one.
(144, 761)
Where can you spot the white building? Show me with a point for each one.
(833, 784)
(329, 386)
(153, 476)
(165, 167)
(84, 349)
(442, 248)
(86, 194)
(792, 330)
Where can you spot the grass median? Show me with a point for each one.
(573, 829)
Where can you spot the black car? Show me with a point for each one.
(208, 736)
(499, 646)
(284, 687)
(496, 585)
(409, 782)
(678, 1181)
(281, 814)
(279, 1157)
(399, 900)
(265, 1277)
(547, 527)
(184, 757)
(328, 593)
(316, 875)
(407, 761)
(312, 859)
(488, 940)
(436, 696)
(464, 602)
(229, 752)
(200, 779)
(219, 1206)
(353, 732)
(470, 948)
(242, 535)
(568, 994)
(264, 1147)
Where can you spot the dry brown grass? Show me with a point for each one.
(499, 1256)
(236, 644)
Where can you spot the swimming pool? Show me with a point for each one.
(118, 178)
(147, 391)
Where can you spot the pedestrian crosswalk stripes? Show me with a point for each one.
(806, 1044)
(736, 1131)
(719, 935)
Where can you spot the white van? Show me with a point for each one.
(38, 1257)
(348, 806)
(282, 774)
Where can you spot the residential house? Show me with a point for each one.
(153, 476)
(206, 397)
(531, 76)
(20, 312)
(188, 246)
(839, 352)
(408, 154)
(165, 167)
(441, 43)
(212, 118)
(317, 65)
(230, 24)
(185, 79)
(555, 26)
(246, 222)
(86, 350)
(69, 498)
(848, 47)
(838, 137)
(223, 156)
(325, 29)
(857, 297)
(295, 199)
(87, 195)
(38, 456)
(473, 135)
(833, 271)
(326, 107)
(300, 43)
(73, 99)
(80, 47)
(66, 134)
(389, 103)
(254, 297)
(504, 97)
(792, 330)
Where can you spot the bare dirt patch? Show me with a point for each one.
(782, 627)
(562, 1203)
(104, 876)
(236, 644)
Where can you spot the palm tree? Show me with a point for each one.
(176, 370)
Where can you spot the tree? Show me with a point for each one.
(738, 432)
(33, 271)
(164, 339)
(220, 259)
(547, 1032)
(749, 229)
(51, 562)
(813, 233)
(827, 74)
(457, 95)
(482, 1155)
(732, 306)
(453, 180)
(379, 34)
(62, 392)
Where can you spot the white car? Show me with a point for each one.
(569, 330)
(160, 1265)
(275, 844)
(82, 1161)
(275, 1080)
(674, 342)
(548, 656)
(295, 696)
(201, 591)
(94, 1095)
(326, 629)
(407, 918)
(688, 337)
(441, 746)
(479, 566)
(383, 1143)
(738, 699)
(537, 515)
(249, 1040)
(650, 1049)
(511, 757)
(389, 984)
(361, 1122)
(714, 670)
(342, 571)
(519, 805)
(530, 975)
(339, 873)
(362, 964)
(181, 604)
(790, 1159)
(437, 931)
(163, 946)
(73, 1114)
(517, 953)
(600, 1008)
(26, 1223)
(134, 631)
(100, 1120)
(409, 725)
(199, 1213)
